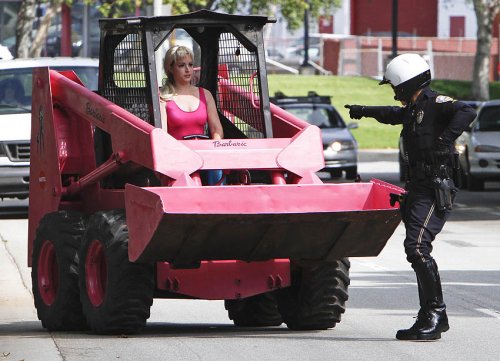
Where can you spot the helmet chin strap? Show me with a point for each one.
(410, 99)
(400, 96)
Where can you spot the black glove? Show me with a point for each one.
(355, 111)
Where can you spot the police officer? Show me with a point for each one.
(431, 123)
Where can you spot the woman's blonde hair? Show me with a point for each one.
(173, 54)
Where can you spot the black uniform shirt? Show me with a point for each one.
(432, 116)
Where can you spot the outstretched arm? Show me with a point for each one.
(383, 114)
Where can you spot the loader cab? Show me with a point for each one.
(228, 50)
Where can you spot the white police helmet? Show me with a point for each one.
(407, 73)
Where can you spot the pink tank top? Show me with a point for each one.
(181, 123)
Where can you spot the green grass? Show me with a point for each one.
(460, 89)
(366, 91)
(346, 90)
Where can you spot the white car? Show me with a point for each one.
(15, 115)
(479, 147)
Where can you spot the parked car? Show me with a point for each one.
(15, 115)
(5, 53)
(479, 147)
(296, 56)
(340, 148)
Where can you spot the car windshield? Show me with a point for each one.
(16, 84)
(323, 117)
(489, 120)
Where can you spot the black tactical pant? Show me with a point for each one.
(422, 222)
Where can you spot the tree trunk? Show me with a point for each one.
(28, 44)
(25, 20)
(43, 29)
(486, 11)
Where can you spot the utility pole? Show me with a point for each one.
(306, 38)
(305, 67)
(394, 29)
(65, 30)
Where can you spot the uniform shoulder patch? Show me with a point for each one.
(443, 99)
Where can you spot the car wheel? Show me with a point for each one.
(474, 184)
(335, 173)
(351, 172)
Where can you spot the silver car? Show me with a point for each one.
(15, 115)
(479, 147)
(340, 148)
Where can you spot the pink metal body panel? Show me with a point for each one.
(191, 223)
(226, 280)
(156, 211)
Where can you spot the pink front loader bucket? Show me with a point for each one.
(316, 222)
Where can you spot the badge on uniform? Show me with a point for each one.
(443, 99)
(420, 116)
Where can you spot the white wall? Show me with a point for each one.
(449, 8)
(342, 19)
(446, 8)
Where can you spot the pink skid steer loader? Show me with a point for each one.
(119, 213)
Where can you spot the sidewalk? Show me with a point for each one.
(20, 330)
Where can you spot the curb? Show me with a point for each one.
(378, 155)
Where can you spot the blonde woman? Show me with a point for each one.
(186, 108)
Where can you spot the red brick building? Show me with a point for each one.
(443, 31)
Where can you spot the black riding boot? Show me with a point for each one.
(431, 319)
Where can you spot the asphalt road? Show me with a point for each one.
(383, 298)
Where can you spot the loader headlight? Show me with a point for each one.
(337, 146)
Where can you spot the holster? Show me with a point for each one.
(445, 193)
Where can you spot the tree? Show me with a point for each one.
(292, 10)
(30, 45)
(486, 12)
(117, 8)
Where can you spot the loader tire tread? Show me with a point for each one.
(130, 286)
(62, 231)
(317, 297)
(256, 311)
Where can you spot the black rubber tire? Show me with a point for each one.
(351, 173)
(316, 299)
(122, 305)
(256, 311)
(335, 173)
(54, 272)
(474, 184)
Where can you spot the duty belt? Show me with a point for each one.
(422, 170)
